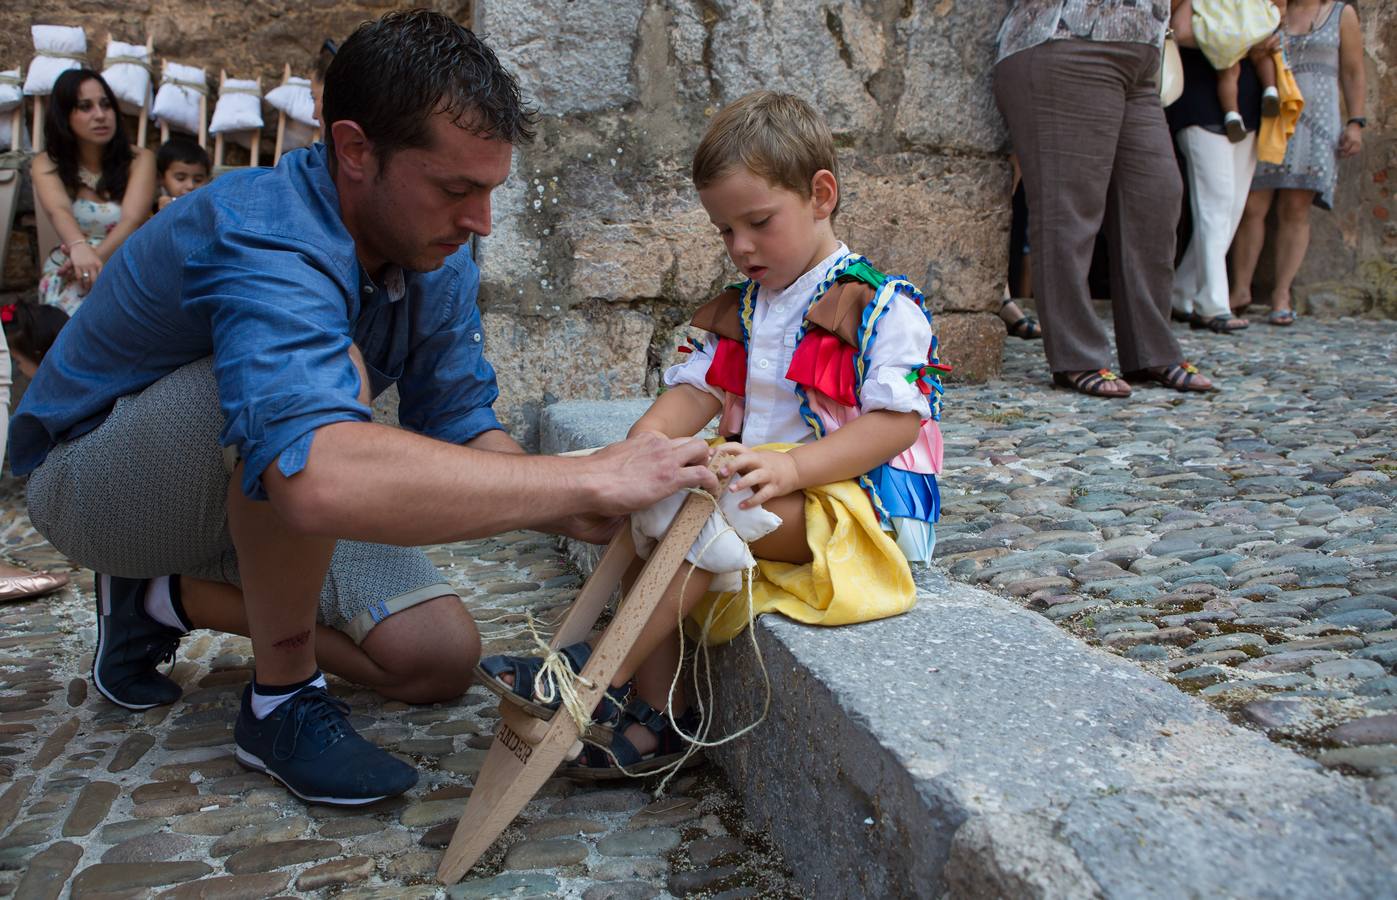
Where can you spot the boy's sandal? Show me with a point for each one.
(1183, 376)
(1283, 317)
(1026, 327)
(1089, 383)
(619, 758)
(526, 669)
(1223, 324)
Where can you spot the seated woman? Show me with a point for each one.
(94, 185)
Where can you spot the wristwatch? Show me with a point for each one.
(1360, 121)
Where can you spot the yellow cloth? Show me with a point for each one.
(1277, 130)
(858, 574)
(1226, 29)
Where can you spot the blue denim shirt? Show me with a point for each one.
(258, 271)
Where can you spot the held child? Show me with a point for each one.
(825, 373)
(1226, 30)
(182, 166)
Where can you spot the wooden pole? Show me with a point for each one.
(527, 750)
(144, 120)
(218, 138)
(281, 121)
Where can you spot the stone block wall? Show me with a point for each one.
(601, 250)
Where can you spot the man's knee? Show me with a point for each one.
(429, 651)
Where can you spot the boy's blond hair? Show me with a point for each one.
(777, 137)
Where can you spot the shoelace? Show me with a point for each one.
(311, 708)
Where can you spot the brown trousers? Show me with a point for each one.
(1086, 123)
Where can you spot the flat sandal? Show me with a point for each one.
(1089, 383)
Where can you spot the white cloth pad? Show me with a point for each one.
(130, 81)
(44, 70)
(723, 540)
(177, 102)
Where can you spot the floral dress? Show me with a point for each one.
(96, 218)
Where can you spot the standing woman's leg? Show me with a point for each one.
(1246, 246)
(1063, 102)
(1142, 208)
(1292, 240)
(1230, 169)
(1208, 164)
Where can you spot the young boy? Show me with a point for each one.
(182, 166)
(835, 489)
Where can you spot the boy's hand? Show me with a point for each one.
(768, 473)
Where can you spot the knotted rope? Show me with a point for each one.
(124, 60)
(557, 681)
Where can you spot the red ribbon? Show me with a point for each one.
(7, 312)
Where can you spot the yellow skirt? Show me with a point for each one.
(858, 574)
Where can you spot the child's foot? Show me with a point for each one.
(520, 680)
(643, 742)
(1270, 102)
(1236, 128)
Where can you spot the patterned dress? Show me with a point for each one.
(1311, 163)
(96, 219)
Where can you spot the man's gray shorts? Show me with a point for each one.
(145, 493)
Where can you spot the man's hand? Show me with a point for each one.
(590, 528)
(641, 470)
(768, 473)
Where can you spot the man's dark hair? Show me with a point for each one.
(396, 72)
(181, 150)
(62, 146)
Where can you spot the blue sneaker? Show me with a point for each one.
(130, 646)
(307, 744)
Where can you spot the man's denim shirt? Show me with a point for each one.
(258, 271)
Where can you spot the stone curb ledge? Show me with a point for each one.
(971, 748)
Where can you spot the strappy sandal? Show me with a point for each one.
(523, 693)
(1183, 377)
(1178, 316)
(619, 758)
(1026, 327)
(1089, 383)
(1223, 324)
(1282, 317)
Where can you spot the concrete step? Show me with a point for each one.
(971, 748)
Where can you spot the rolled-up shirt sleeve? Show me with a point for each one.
(448, 387)
(900, 346)
(694, 369)
(280, 332)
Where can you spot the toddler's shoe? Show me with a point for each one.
(1270, 102)
(1236, 128)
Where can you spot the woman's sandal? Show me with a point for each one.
(1025, 327)
(1223, 324)
(1183, 377)
(1282, 317)
(526, 670)
(619, 758)
(1180, 316)
(1089, 383)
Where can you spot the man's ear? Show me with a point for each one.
(824, 192)
(353, 151)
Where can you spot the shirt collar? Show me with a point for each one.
(394, 284)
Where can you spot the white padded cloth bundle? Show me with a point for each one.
(726, 554)
(177, 101)
(239, 109)
(127, 71)
(295, 99)
(10, 93)
(57, 48)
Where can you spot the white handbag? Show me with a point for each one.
(1171, 71)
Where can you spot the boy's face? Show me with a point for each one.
(773, 235)
(182, 177)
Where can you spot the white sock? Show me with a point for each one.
(264, 704)
(1270, 92)
(159, 605)
(1232, 115)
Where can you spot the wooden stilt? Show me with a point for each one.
(218, 138)
(527, 750)
(37, 132)
(281, 120)
(143, 120)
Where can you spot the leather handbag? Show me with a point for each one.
(1171, 71)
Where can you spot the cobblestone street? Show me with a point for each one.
(1242, 545)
